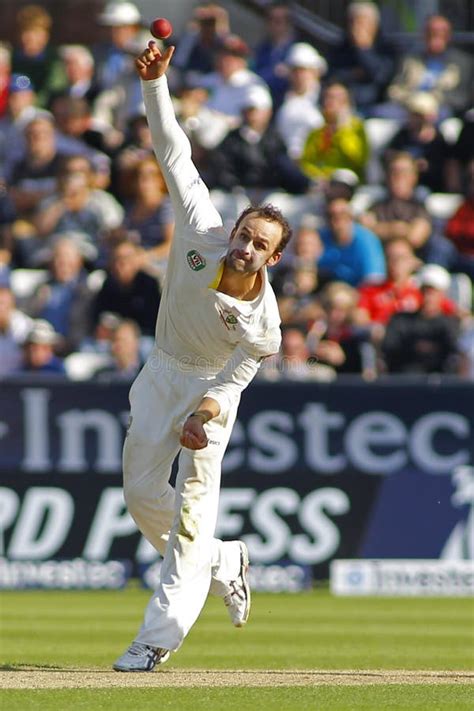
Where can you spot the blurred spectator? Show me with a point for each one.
(204, 126)
(77, 205)
(125, 352)
(20, 109)
(229, 85)
(120, 92)
(122, 21)
(254, 156)
(424, 141)
(98, 341)
(296, 302)
(335, 338)
(443, 71)
(14, 329)
(34, 176)
(306, 248)
(294, 362)
(341, 142)
(400, 214)
(34, 55)
(399, 292)
(351, 252)
(64, 300)
(128, 291)
(79, 67)
(39, 350)
(5, 250)
(466, 351)
(363, 61)
(137, 145)
(150, 213)
(5, 71)
(271, 53)
(75, 132)
(197, 47)
(297, 282)
(342, 184)
(460, 228)
(425, 340)
(461, 153)
(299, 112)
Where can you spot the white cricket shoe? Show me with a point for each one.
(141, 657)
(238, 599)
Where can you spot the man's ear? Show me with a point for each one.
(274, 259)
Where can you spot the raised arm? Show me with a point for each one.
(190, 196)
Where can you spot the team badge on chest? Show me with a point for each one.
(195, 260)
(229, 319)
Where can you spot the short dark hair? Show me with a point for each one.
(271, 213)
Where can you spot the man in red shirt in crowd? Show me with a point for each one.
(460, 228)
(400, 291)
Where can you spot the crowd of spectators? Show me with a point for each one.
(378, 277)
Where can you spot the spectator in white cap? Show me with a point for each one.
(120, 93)
(299, 113)
(123, 22)
(425, 340)
(254, 156)
(39, 350)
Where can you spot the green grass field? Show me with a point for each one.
(51, 640)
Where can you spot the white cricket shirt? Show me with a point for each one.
(204, 330)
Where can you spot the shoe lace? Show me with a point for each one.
(236, 591)
(138, 648)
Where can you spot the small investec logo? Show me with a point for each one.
(195, 260)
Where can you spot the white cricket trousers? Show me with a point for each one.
(180, 523)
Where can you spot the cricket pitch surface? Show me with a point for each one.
(25, 677)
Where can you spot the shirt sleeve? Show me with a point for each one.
(237, 373)
(189, 195)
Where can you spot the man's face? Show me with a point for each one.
(339, 217)
(40, 138)
(335, 101)
(253, 244)
(6, 307)
(437, 35)
(401, 262)
(125, 263)
(402, 178)
(229, 64)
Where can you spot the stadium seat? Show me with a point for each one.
(229, 205)
(451, 128)
(442, 206)
(295, 207)
(460, 291)
(366, 196)
(24, 282)
(83, 366)
(95, 279)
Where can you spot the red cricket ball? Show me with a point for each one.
(161, 28)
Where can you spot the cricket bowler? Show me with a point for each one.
(218, 319)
